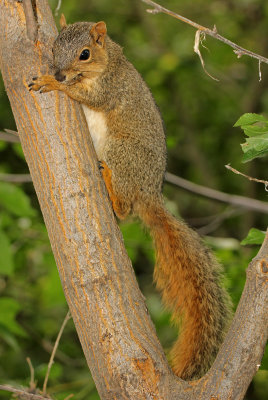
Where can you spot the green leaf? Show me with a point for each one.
(249, 119)
(15, 200)
(6, 259)
(255, 147)
(254, 237)
(251, 154)
(9, 308)
(254, 130)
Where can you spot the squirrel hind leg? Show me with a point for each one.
(121, 208)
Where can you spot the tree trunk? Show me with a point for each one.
(116, 333)
(111, 318)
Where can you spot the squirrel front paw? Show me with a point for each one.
(44, 83)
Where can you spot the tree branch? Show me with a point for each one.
(240, 356)
(238, 50)
(23, 393)
(15, 178)
(238, 201)
(9, 138)
(12, 132)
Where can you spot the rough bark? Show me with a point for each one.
(241, 353)
(116, 333)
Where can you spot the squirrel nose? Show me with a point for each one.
(60, 77)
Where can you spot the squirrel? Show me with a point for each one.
(129, 139)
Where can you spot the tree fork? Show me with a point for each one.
(116, 333)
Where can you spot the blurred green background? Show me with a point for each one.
(199, 115)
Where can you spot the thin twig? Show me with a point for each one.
(32, 382)
(239, 201)
(238, 50)
(217, 221)
(57, 8)
(27, 394)
(31, 23)
(24, 393)
(15, 178)
(66, 319)
(228, 166)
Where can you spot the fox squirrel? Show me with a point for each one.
(128, 135)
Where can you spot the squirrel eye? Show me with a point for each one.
(84, 55)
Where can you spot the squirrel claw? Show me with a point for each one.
(30, 86)
(44, 84)
(32, 83)
(100, 165)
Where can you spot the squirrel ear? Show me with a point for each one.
(98, 32)
(63, 22)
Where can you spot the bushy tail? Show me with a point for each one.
(188, 276)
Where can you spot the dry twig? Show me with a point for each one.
(238, 50)
(199, 36)
(23, 393)
(250, 178)
(32, 382)
(32, 393)
(66, 319)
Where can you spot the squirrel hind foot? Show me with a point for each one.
(121, 208)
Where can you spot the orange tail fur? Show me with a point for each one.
(188, 276)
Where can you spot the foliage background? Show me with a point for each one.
(199, 114)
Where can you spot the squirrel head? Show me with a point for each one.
(80, 52)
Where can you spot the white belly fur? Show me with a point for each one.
(97, 126)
